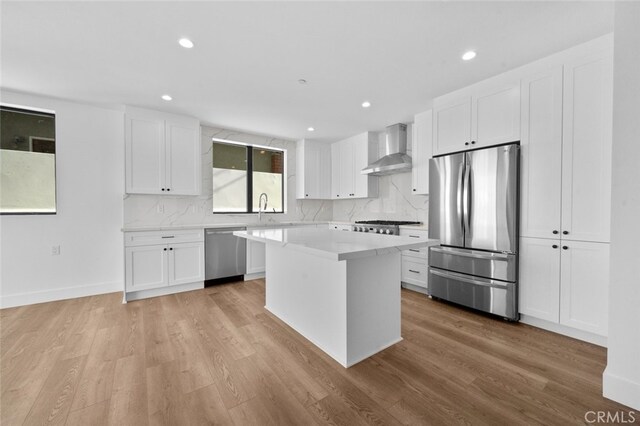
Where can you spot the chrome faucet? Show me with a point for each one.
(266, 200)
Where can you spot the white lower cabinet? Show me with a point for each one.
(256, 257)
(158, 259)
(565, 282)
(584, 293)
(414, 261)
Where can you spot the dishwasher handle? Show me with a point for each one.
(215, 231)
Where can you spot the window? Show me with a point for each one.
(27, 161)
(242, 173)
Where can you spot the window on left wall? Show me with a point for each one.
(27, 161)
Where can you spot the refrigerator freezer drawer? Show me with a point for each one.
(479, 293)
(497, 266)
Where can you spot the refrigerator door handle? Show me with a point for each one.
(460, 197)
(466, 199)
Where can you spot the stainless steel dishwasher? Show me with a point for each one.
(225, 254)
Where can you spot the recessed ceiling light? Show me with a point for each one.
(186, 43)
(166, 97)
(366, 104)
(311, 129)
(302, 81)
(469, 55)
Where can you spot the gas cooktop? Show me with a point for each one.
(387, 222)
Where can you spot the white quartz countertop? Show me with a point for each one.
(333, 244)
(219, 225)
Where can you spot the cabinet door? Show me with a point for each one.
(421, 147)
(186, 263)
(146, 267)
(586, 159)
(145, 156)
(452, 126)
(182, 159)
(414, 271)
(256, 257)
(585, 286)
(346, 169)
(541, 154)
(316, 171)
(336, 168)
(495, 114)
(540, 278)
(361, 183)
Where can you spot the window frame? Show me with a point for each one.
(46, 113)
(249, 201)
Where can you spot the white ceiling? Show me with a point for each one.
(242, 73)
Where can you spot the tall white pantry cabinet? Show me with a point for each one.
(566, 185)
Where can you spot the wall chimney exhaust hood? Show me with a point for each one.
(395, 159)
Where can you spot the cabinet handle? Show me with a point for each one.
(168, 189)
(170, 248)
(466, 143)
(565, 232)
(555, 231)
(337, 195)
(417, 251)
(414, 236)
(565, 247)
(414, 189)
(473, 142)
(555, 246)
(415, 272)
(165, 249)
(306, 195)
(163, 189)
(168, 236)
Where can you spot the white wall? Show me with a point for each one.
(90, 183)
(154, 210)
(395, 199)
(622, 376)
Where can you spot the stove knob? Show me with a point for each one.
(387, 231)
(390, 231)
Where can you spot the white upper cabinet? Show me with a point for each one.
(451, 124)
(349, 157)
(586, 155)
(541, 154)
(313, 164)
(162, 153)
(487, 113)
(495, 112)
(421, 150)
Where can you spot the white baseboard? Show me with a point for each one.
(564, 330)
(50, 295)
(249, 277)
(162, 291)
(415, 288)
(621, 390)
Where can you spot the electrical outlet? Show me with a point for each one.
(55, 250)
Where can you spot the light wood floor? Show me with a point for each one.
(217, 356)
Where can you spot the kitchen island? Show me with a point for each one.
(340, 290)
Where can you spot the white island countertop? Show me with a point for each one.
(333, 244)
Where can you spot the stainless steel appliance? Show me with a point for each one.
(225, 254)
(395, 159)
(388, 227)
(474, 211)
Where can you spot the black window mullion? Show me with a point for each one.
(249, 179)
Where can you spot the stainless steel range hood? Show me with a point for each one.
(395, 159)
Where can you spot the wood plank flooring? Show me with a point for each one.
(217, 356)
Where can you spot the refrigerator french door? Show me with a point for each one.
(473, 211)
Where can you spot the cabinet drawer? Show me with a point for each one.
(146, 238)
(421, 253)
(422, 234)
(414, 271)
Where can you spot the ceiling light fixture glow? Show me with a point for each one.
(166, 97)
(469, 55)
(311, 129)
(366, 104)
(186, 43)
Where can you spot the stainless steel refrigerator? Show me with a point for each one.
(474, 212)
